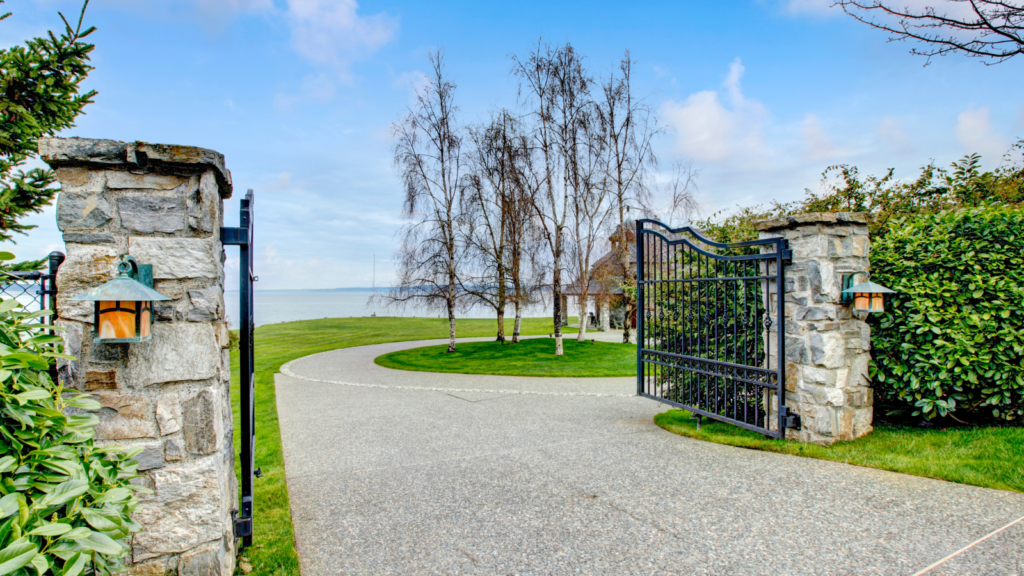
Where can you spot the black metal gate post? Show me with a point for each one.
(704, 322)
(243, 238)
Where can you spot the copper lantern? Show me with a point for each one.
(124, 306)
(866, 296)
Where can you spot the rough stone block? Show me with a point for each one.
(862, 418)
(79, 179)
(168, 414)
(814, 313)
(151, 457)
(88, 238)
(85, 267)
(796, 350)
(203, 422)
(203, 203)
(185, 511)
(206, 304)
(155, 567)
(78, 211)
(118, 180)
(173, 450)
(223, 334)
(177, 352)
(225, 365)
(204, 561)
(176, 257)
(827, 349)
(100, 379)
(821, 376)
(149, 214)
(124, 416)
(107, 353)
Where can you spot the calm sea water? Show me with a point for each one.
(274, 306)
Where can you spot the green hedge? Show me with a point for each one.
(953, 343)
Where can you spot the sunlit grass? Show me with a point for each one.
(992, 457)
(532, 357)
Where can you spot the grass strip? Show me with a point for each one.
(991, 457)
(273, 551)
(535, 357)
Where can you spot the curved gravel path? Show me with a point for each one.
(395, 472)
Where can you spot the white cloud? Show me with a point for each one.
(314, 88)
(711, 131)
(817, 144)
(416, 81)
(890, 131)
(331, 32)
(974, 132)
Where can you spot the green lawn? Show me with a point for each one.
(273, 551)
(532, 357)
(990, 457)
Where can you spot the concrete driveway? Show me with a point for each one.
(394, 472)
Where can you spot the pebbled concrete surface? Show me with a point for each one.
(394, 472)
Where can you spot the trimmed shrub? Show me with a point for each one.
(65, 503)
(953, 341)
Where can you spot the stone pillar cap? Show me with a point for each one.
(161, 158)
(811, 218)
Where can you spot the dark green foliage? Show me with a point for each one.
(65, 503)
(953, 343)
(39, 96)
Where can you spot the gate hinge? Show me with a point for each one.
(243, 523)
(243, 526)
(234, 236)
(790, 419)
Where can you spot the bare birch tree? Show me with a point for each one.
(630, 128)
(490, 204)
(588, 202)
(428, 154)
(538, 87)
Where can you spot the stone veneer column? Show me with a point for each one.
(162, 205)
(827, 347)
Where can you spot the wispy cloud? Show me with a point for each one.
(314, 88)
(817, 144)
(974, 132)
(890, 131)
(333, 33)
(709, 129)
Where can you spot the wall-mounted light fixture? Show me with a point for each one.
(124, 306)
(866, 296)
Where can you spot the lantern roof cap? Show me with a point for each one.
(122, 288)
(869, 287)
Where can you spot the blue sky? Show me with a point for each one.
(759, 95)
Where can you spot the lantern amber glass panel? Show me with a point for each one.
(123, 319)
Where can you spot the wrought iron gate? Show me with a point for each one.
(707, 316)
(243, 238)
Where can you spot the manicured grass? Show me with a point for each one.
(532, 357)
(273, 551)
(991, 457)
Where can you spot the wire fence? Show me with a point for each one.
(34, 290)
